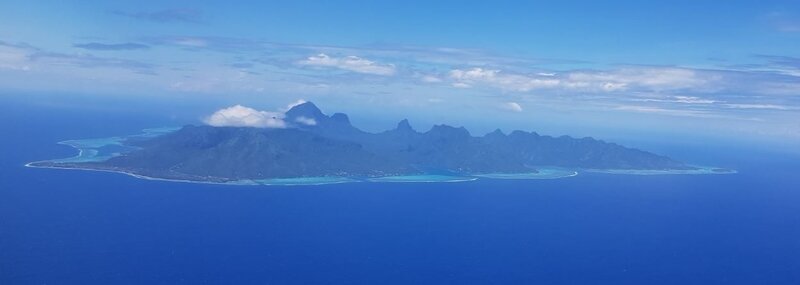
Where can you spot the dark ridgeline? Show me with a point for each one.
(315, 144)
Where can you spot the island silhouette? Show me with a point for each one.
(313, 145)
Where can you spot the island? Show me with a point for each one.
(315, 147)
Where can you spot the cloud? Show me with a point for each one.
(111, 47)
(165, 16)
(679, 99)
(15, 56)
(306, 121)
(191, 42)
(349, 63)
(666, 111)
(242, 65)
(225, 65)
(90, 61)
(295, 103)
(780, 60)
(631, 78)
(430, 79)
(465, 68)
(461, 85)
(639, 78)
(684, 112)
(693, 100)
(224, 79)
(479, 69)
(27, 57)
(465, 78)
(758, 106)
(241, 116)
(512, 106)
(611, 86)
(785, 65)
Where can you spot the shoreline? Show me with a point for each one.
(250, 182)
(520, 176)
(139, 176)
(701, 170)
(385, 179)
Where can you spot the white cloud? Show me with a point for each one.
(306, 121)
(461, 85)
(512, 106)
(191, 42)
(226, 79)
(692, 113)
(613, 86)
(665, 111)
(295, 103)
(764, 88)
(680, 99)
(430, 79)
(349, 63)
(241, 116)
(693, 100)
(14, 57)
(23, 57)
(645, 78)
(465, 78)
(757, 106)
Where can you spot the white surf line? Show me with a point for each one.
(246, 182)
(388, 179)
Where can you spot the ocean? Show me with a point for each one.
(82, 227)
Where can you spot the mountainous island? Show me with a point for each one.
(332, 146)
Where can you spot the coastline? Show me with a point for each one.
(297, 181)
(255, 182)
(701, 170)
(423, 179)
(139, 176)
(543, 172)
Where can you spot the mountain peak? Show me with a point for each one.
(518, 133)
(305, 109)
(340, 118)
(449, 131)
(496, 133)
(404, 126)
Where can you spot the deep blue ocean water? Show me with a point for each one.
(80, 227)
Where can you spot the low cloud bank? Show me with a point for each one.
(241, 116)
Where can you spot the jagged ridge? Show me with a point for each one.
(316, 144)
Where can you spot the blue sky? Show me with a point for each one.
(709, 68)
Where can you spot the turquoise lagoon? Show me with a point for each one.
(697, 170)
(102, 149)
(543, 172)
